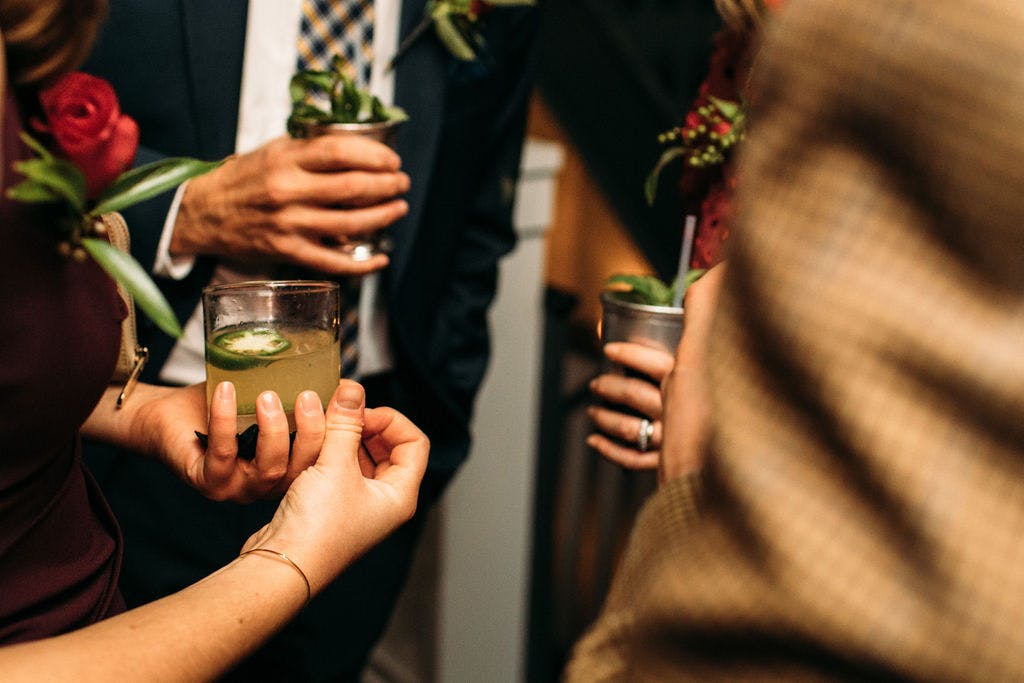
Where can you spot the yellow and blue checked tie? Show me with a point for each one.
(345, 28)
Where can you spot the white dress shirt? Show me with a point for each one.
(264, 105)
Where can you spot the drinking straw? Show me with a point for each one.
(684, 260)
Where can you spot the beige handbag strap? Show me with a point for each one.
(131, 356)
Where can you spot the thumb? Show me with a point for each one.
(344, 426)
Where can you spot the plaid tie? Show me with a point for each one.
(345, 28)
(337, 27)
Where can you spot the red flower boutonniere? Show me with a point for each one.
(457, 25)
(94, 143)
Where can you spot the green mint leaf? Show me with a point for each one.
(126, 270)
(646, 289)
(693, 275)
(147, 181)
(303, 83)
(396, 114)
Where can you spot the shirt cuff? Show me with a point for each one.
(165, 265)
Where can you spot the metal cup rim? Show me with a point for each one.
(313, 128)
(613, 298)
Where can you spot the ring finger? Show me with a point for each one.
(626, 428)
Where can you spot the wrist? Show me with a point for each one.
(274, 555)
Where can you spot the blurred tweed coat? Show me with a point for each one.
(861, 515)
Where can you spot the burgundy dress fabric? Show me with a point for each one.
(60, 548)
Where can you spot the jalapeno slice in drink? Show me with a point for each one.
(248, 348)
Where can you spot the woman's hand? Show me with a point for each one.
(633, 393)
(162, 421)
(363, 486)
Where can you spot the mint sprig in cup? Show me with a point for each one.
(323, 98)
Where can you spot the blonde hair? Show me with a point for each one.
(45, 39)
(743, 16)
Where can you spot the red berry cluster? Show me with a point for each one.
(710, 130)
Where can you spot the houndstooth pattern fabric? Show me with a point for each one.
(337, 27)
(345, 28)
(861, 515)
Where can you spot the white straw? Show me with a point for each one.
(684, 260)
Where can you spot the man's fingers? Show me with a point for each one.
(340, 222)
(311, 253)
(342, 152)
(347, 188)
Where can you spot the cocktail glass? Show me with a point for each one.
(272, 335)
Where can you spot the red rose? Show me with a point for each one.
(86, 121)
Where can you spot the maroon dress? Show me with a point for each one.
(60, 548)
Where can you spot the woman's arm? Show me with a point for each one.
(363, 485)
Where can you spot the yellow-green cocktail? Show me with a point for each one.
(281, 336)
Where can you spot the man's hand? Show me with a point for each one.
(291, 201)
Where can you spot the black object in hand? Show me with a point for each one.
(246, 441)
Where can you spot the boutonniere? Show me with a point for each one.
(95, 142)
(708, 134)
(457, 25)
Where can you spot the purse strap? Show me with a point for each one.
(131, 357)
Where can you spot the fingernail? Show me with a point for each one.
(310, 404)
(593, 385)
(348, 395)
(224, 395)
(270, 402)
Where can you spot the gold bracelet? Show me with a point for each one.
(309, 590)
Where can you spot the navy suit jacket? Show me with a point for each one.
(177, 64)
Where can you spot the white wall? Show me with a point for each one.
(486, 515)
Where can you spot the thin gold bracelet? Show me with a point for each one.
(309, 590)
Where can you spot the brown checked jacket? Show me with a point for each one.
(861, 513)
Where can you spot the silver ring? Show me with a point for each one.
(643, 437)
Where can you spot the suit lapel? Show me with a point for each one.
(215, 48)
(419, 89)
